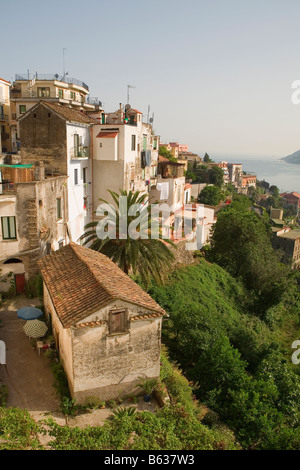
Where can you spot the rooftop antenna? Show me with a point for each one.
(129, 86)
(64, 69)
(148, 114)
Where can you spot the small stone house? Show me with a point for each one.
(106, 328)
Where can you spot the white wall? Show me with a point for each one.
(77, 215)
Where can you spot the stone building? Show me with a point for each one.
(288, 242)
(33, 212)
(28, 90)
(106, 328)
(60, 137)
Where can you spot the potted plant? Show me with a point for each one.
(148, 386)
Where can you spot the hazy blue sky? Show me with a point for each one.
(217, 74)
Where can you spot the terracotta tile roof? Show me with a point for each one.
(69, 114)
(108, 134)
(80, 281)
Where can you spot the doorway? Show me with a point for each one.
(20, 283)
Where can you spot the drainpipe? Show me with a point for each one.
(92, 167)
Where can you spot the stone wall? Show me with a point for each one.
(43, 137)
(111, 365)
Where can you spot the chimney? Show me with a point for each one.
(39, 171)
(121, 113)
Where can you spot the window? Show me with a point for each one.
(43, 92)
(84, 175)
(117, 321)
(154, 144)
(72, 94)
(60, 244)
(76, 176)
(22, 108)
(76, 145)
(144, 142)
(60, 93)
(58, 208)
(133, 142)
(8, 225)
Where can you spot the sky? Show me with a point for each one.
(217, 75)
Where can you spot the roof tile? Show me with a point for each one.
(80, 281)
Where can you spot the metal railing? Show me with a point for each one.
(82, 152)
(93, 100)
(59, 78)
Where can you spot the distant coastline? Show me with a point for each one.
(294, 158)
(274, 170)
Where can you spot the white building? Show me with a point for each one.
(125, 154)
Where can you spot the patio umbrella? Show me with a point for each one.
(35, 328)
(29, 313)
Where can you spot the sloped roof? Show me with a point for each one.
(69, 114)
(80, 281)
(108, 134)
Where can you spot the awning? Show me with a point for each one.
(29, 165)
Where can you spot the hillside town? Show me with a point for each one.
(61, 155)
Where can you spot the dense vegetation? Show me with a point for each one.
(231, 331)
(180, 425)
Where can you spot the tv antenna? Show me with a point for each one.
(64, 68)
(129, 86)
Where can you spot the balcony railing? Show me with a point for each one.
(4, 117)
(82, 152)
(93, 100)
(7, 187)
(59, 78)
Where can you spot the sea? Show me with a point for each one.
(286, 176)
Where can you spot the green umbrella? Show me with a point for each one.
(35, 328)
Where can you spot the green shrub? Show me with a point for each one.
(3, 394)
(34, 287)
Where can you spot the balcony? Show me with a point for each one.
(4, 117)
(50, 77)
(82, 152)
(7, 187)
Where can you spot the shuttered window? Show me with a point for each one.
(117, 321)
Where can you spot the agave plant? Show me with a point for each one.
(144, 255)
(123, 411)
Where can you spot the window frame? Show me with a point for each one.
(76, 180)
(43, 92)
(8, 227)
(58, 208)
(133, 142)
(113, 326)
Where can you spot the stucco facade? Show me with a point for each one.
(119, 147)
(108, 365)
(106, 328)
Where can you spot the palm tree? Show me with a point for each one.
(148, 257)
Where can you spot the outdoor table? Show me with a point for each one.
(39, 346)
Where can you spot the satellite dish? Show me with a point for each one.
(56, 76)
(127, 107)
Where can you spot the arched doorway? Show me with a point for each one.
(13, 274)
